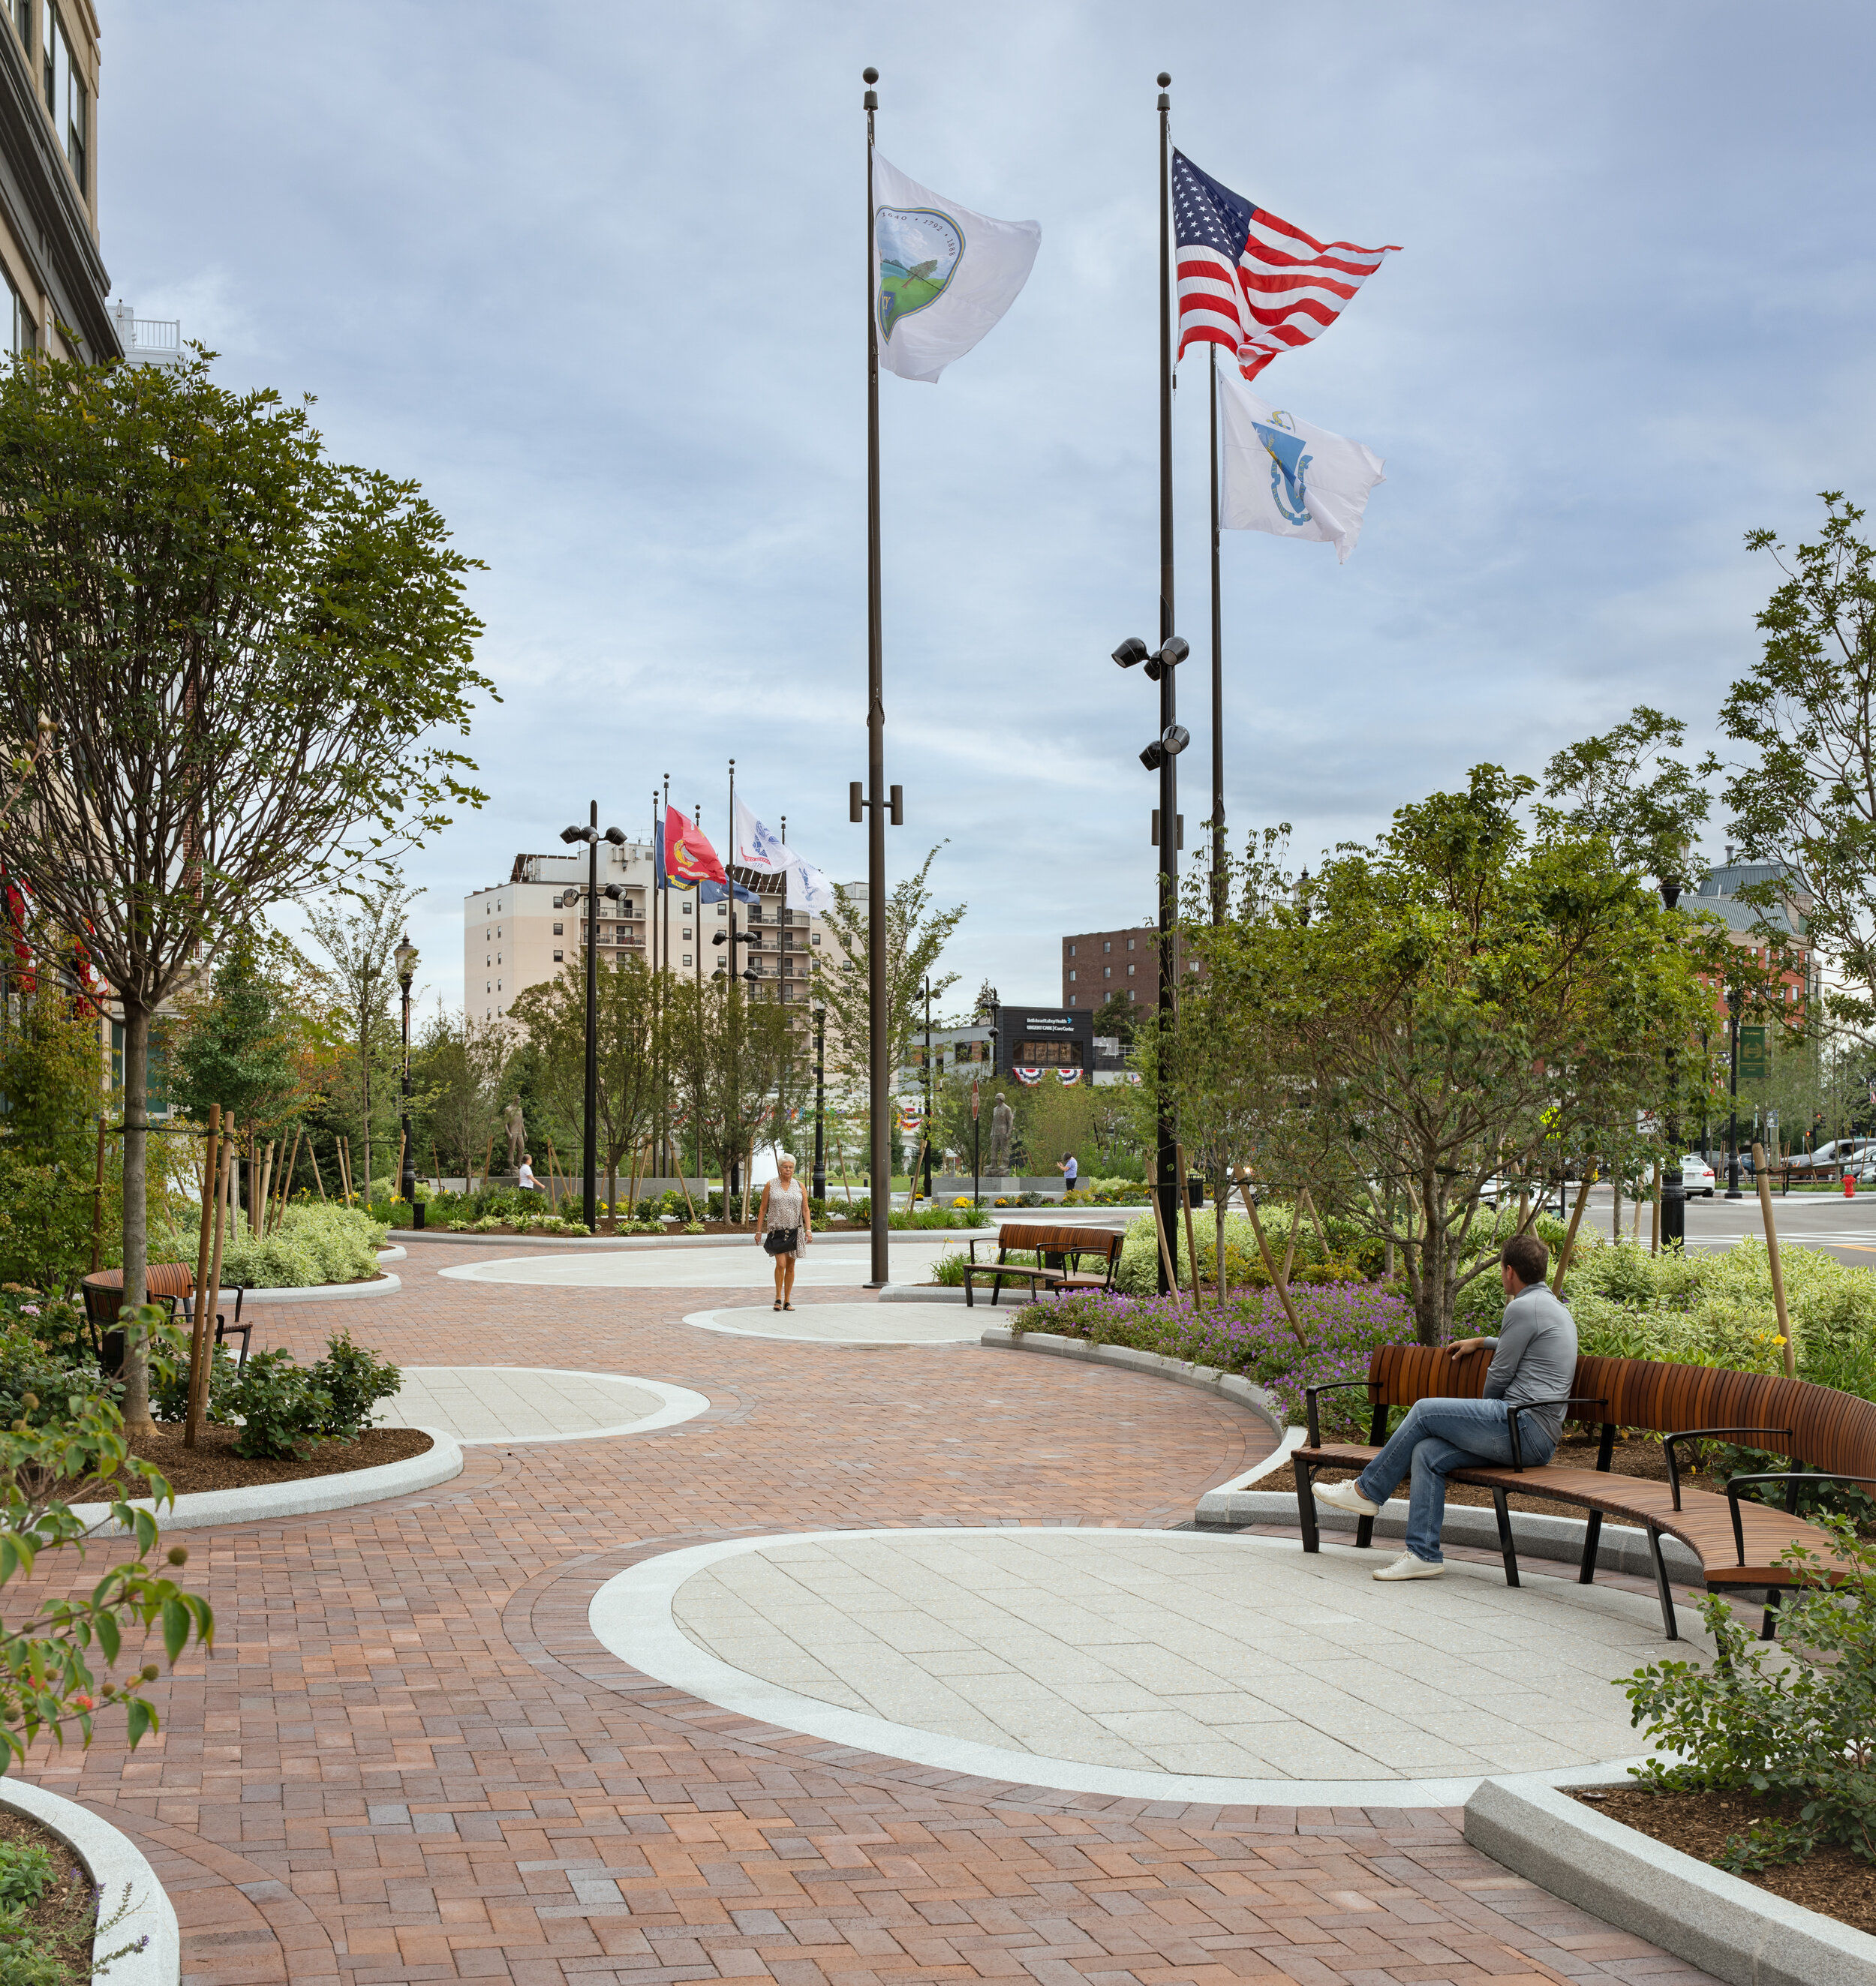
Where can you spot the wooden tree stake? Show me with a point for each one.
(1270, 1264)
(1771, 1249)
(1563, 1259)
(205, 1256)
(1185, 1201)
(1166, 1255)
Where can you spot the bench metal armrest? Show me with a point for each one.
(1531, 1406)
(1795, 1477)
(1701, 1434)
(1309, 1400)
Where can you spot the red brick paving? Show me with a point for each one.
(407, 1759)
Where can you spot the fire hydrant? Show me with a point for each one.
(1850, 1186)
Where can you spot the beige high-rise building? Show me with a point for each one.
(531, 927)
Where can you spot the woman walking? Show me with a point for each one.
(784, 1224)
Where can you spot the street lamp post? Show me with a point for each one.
(819, 1185)
(996, 1008)
(591, 835)
(1673, 1183)
(1161, 756)
(1736, 1000)
(406, 957)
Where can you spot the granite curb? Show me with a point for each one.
(383, 1285)
(1729, 1928)
(440, 1463)
(122, 1875)
(1207, 1379)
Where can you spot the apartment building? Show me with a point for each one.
(1096, 964)
(531, 928)
(57, 291)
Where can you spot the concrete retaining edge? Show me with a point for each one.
(116, 1866)
(440, 1463)
(1240, 1392)
(1729, 1928)
(384, 1285)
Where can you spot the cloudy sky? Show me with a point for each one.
(594, 274)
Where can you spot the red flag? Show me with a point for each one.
(688, 857)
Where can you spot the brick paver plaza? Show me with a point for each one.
(411, 1758)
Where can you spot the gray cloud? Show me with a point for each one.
(594, 275)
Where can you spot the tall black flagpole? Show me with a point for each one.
(878, 1075)
(1168, 1156)
(589, 1154)
(1217, 673)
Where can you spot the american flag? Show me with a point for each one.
(1250, 282)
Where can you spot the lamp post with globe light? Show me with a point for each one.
(591, 835)
(406, 958)
(1673, 1183)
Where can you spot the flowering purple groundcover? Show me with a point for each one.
(1342, 1323)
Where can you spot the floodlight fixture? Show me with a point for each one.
(617, 836)
(1131, 651)
(1170, 743)
(1172, 651)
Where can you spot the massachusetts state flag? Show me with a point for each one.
(688, 857)
(1251, 283)
(1285, 477)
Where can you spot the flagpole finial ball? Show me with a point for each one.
(1165, 80)
(869, 76)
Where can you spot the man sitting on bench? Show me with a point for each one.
(1533, 1358)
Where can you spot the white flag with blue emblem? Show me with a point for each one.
(942, 275)
(1283, 476)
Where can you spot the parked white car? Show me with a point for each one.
(1696, 1175)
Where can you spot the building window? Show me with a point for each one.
(22, 330)
(1071, 981)
(814, 937)
(687, 958)
(20, 13)
(66, 95)
(559, 931)
(687, 931)
(556, 958)
(1105, 945)
(1130, 972)
(1130, 945)
(1107, 972)
(1071, 999)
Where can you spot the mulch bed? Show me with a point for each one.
(1833, 1882)
(66, 1915)
(214, 1465)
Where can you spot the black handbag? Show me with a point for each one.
(780, 1240)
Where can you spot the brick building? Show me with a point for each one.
(1096, 963)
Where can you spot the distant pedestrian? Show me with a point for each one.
(785, 1226)
(525, 1179)
(1070, 1169)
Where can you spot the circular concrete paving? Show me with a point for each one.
(1147, 1664)
(484, 1403)
(849, 1323)
(827, 1265)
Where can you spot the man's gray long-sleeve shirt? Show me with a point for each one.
(1534, 1356)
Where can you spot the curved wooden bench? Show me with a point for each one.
(1827, 1436)
(170, 1282)
(1060, 1248)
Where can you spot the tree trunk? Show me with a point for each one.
(365, 1074)
(136, 1213)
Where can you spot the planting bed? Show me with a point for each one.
(66, 1913)
(1833, 1882)
(214, 1465)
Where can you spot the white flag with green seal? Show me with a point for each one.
(942, 275)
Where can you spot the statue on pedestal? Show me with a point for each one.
(1003, 1128)
(517, 1135)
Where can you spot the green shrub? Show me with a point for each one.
(25, 1870)
(1796, 1722)
(354, 1380)
(283, 1415)
(169, 1396)
(25, 1961)
(313, 1243)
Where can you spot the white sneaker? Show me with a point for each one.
(1408, 1566)
(1344, 1496)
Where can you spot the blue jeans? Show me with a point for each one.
(1436, 1437)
